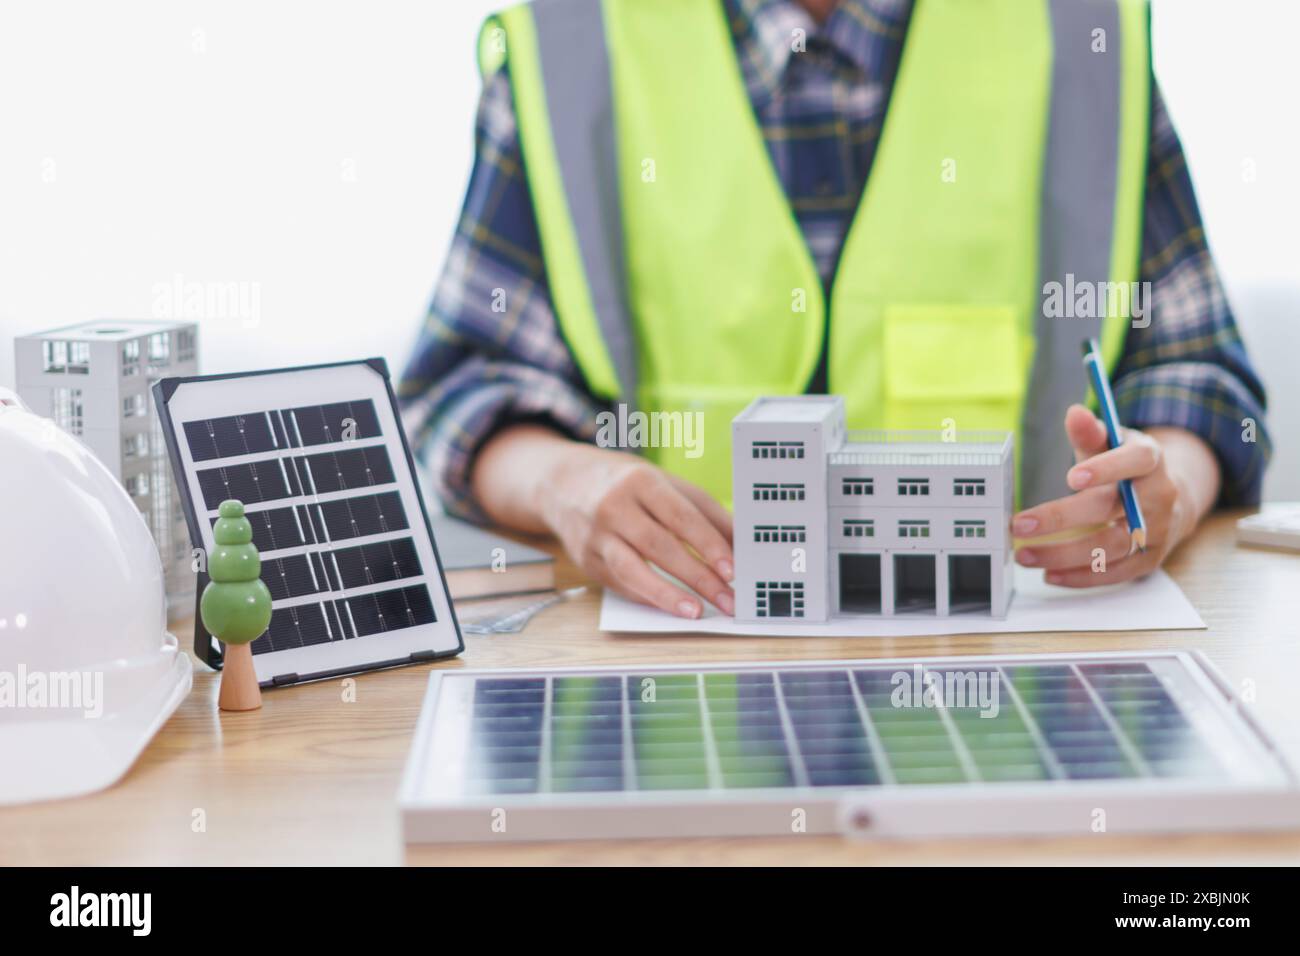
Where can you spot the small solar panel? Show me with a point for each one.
(318, 458)
(1044, 744)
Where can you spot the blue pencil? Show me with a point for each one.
(1110, 416)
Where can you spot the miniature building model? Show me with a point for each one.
(93, 380)
(830, 523)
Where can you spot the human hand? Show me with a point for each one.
(1171, 504)
(616, 514)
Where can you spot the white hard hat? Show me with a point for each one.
(88, 672)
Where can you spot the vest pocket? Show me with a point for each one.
(959, 362)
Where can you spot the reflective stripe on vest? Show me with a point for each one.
(1013, 156)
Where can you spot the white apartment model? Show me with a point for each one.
(832, 523)
(93, 380)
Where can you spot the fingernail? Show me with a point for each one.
(1054, 577)
(688, 609)
(726, 570)
(1026, 557)
(1024, 525)
(1080, 478)
(726, 603)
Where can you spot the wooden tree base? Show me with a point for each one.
(239, 690)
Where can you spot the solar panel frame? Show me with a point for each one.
(329, 641)
(1258, 789)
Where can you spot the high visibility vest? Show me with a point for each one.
(1012, 158)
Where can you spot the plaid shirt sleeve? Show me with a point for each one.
(1188, 368)
(490, 352)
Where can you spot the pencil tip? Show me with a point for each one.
(1140, 538)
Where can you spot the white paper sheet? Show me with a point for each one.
(1156, 603)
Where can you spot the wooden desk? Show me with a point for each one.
(310, 779)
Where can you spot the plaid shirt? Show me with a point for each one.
(477, 368)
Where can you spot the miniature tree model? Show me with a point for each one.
(236, 606)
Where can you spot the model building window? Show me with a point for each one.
(133, 406)
(778, 599)
(783, 534)
(782, 492)
(775, 449)
(135, 446)
(185, 345)
(914, 529)
(968, 529)
(131, 358)
(967, 486)
(858, 486)
(68, 410)
(913, 486)
(160, 347)
(859, 528)
(56, 356)
(79, 358)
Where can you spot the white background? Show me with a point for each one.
(317, 154)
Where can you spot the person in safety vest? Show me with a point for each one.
(924, 206)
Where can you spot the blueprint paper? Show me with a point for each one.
(1155, 603)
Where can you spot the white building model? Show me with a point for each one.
(830, 523)
(93, 380)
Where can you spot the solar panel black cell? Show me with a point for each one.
(377, 563)
(203, 444)
(290, 577)
(338, 627)
(349, 469)
(389, 610)
(360, 516)
(265, 431)
(275, 528)
(338, 421)
(278, 432)
(296, 626)
(251, 483)
(212, 438)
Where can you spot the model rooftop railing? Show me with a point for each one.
(934, 436)
(880, 447)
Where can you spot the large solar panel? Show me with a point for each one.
(319, 460)
(1051, 743)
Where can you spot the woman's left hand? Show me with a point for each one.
(1158, 463)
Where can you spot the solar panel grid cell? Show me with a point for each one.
(508, 719)
(839, 728)
(290, 576)
(1150, 720)
(389, 610)
(275, 528)
(294, 626)
(267, 431)
(251, 483)
(347, 470)
(332, 570)
(376, 563)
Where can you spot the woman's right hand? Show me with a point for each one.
(616, 515)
